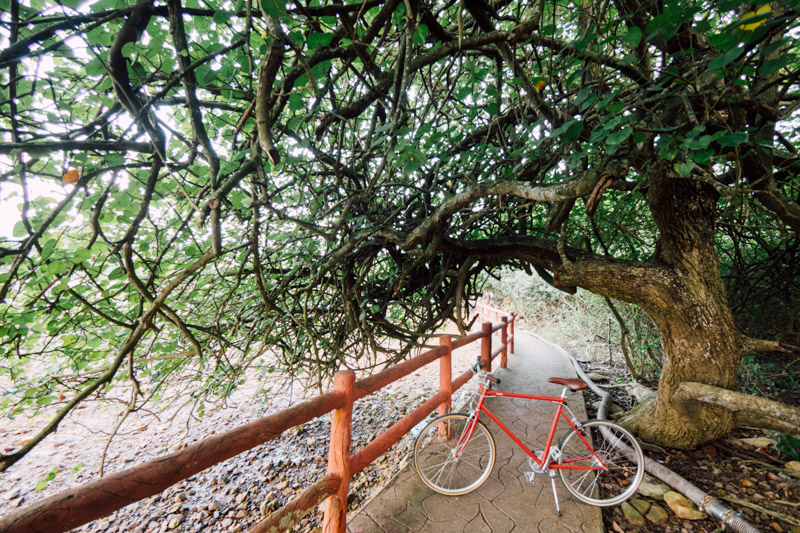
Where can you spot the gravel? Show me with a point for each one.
(230, 496)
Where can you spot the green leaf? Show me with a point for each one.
(19, 229)
(660, 25)
(208, 77)
(569, 131)
(221, 17)
(618, 137)
(94, 67)
(274, 8)
(56, 268)
(128, 49)
(684, 169)
(633, 37)
(421, 35)
(47, 248)
(591, 99)
(723, 41)
(774, 65)
(702, 157)
(723, 60)
(316, 40)
(733, 139)
(81, 255)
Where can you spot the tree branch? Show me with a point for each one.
(545, 193)
(762, 345)
(35, 148)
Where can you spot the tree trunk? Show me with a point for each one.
(701, 342)
(681, 288)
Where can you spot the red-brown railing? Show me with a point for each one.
(77, 506)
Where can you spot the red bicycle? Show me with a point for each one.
(599, 462)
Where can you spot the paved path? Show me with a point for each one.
(506, 502)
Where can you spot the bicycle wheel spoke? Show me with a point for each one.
(435, 454)
(617, 480)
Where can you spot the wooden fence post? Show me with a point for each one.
(511, 343)
(486, 347)
(335, 518)
(446, 374)
(504, 341)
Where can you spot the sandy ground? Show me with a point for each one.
(229, 496)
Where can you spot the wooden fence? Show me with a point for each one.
(82, 504)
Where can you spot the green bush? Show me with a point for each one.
(582, 322)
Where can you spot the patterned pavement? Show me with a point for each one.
(506, 502)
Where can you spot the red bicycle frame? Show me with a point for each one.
(561, 401)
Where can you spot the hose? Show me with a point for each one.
(702, 499)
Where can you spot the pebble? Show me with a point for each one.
(640, 505)
(683, 507)
(657, 514)
(11, 494)
(174, 520)
(632, 515)
(653, 489)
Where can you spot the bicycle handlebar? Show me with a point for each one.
(476, 369)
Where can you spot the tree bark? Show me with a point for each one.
(682, 290)
(749, 409)
(700, 339)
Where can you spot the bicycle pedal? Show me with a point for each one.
(530, 476)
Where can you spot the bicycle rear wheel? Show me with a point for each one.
(617, 463)
(435, 455)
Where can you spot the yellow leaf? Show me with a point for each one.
(540, 85)
(71, 176)
(750, 14)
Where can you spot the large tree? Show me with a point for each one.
(307, 180)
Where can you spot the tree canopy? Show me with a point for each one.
(203, 187)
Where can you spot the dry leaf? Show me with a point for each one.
(617, 528)
(71, 176)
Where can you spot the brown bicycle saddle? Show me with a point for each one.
(574, 384)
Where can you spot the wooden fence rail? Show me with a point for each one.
(77, 506)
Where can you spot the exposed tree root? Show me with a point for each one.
(748, 409)
(758, 508)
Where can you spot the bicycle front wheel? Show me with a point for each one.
(605, 463)
(449, 460)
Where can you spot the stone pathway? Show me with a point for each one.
(506, 502)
